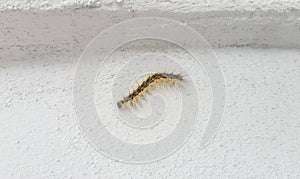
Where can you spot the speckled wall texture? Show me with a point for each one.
(256, 42)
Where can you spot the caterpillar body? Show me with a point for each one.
(146, 85)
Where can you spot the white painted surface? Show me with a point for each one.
(259, 136)
(164, 5)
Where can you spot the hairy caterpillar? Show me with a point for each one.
(146, 85)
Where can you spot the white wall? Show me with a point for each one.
(257, 44)
(165, 5)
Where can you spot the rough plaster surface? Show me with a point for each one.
(68, 29)
(259, 136)
(165, 5)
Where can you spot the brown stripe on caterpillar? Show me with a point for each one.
(142, 88)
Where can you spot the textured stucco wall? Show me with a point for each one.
(259, 135)
(165, 5)
(257, 44)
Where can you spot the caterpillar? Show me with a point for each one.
(147, 84)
